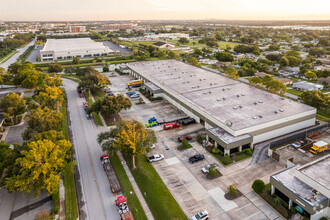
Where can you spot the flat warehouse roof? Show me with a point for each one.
(225, 99)
(74, 44)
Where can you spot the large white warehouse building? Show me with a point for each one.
(235, 115)
(58, 49)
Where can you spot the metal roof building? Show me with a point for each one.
(233, 113)
(57, 49)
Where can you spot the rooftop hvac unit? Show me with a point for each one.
(281, 110)
(235, 107)
(218, 99)
(204, 92)
(229, 123)
(254, 117)
(242, 94)
(260, 101)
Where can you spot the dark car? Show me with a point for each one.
(196, 158)
(187, 137)
(189, 121)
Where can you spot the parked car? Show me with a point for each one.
(204, 215)
(131, 93)
(206, 169)
(152, 124)
(296, 144)
(196, 158)
(156, 157)
(188, 121)
(135, 96)
(187, 137)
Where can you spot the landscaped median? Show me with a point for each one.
(96, 116)
(127, 188)
(158, 197)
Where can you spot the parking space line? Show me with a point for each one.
(243, 207)
(192, 207)
(252, 215)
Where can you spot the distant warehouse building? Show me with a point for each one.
(235, 115)
(58, 49)
(77, 29)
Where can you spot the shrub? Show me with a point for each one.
(213, 171)
(199, 139)
(258, 186)
(248, 151)
(106, 69)
(323, 218)
(242, 158)
(184, 145)
(226, 160)
(277, 200)
(232, 189)
(216, 150)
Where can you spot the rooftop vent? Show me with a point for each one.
(223, 98)
(200, 79)
(218, 99)
(223, 89)
(255, 103)
(260, 101)
(237, 95)
(210, 84)
(235, 107)
(229, 123)
(260, 116)
(204, 92)
(281, 110)
(254, 117)
(240, 106)
(210, 92)
(228, 88)
(276, 112)
(193, 87)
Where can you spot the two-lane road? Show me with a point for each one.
(97, 196)
(14, 58)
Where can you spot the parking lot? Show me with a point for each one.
(189, 186)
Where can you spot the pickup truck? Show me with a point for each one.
(196, 158)
(156, 157)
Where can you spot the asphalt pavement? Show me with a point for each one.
(14, 58)
(98, 200)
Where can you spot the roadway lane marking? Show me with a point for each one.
(91, 161)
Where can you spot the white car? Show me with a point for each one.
(135, 96)
(156, 157)
(206, 169)
(296, 144)
(204, 215)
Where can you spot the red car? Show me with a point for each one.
(187, 137)
(171, 125)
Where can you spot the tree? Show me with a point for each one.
(129, 136)
(231, 73)
(69, 70)
(193, 61)
(213, 170)
(255, 81)
(183, 40)
(267, 79)
(224, 56)
(293, 61)
(310, 75)
(26, 75)
(161, 55)
(53, 81)
(293, 53)
(94, 81)
(55, 68)
(51, 97)
(212, 44)
(258, 186)
(41, 120)
(315, 51)
(105, 69)
(8, 155)
(76, 60)
(232, 189)
(218, 36)
(273, 57)
(39, 167)
(284, 61)
(111, 105)
(173, 55)
(13, 105)
(316, 99)
(276, 86)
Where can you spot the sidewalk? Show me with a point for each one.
(136, 188)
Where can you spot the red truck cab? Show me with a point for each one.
(171, 125)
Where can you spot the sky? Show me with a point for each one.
(82, 10)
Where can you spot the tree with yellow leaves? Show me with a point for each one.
(130, 137)
(51, 97)
(40, 166)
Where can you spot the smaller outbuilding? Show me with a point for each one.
(161, 44)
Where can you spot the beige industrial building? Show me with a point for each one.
(58, 49)
(235, 115)
(306, 188)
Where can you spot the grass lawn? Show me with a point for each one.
(222, 45)
(294, 92)
(126, 186)
(71, 208)
(71, 77)
(323, 116)
(158, 197)
(98, 95)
